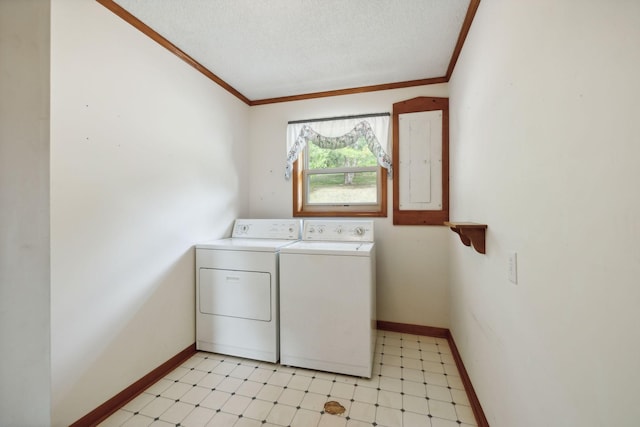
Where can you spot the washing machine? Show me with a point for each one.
(237, 289)
(327, 298)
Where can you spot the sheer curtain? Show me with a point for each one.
(339, 133)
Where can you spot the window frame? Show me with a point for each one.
(303, 209)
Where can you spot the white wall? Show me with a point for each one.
(412, 261)
(544, 108)
(24, 213)
(147, 158)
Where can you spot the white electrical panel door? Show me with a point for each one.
(241, 294)
(420, 160)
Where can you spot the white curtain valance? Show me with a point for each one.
(339, 133)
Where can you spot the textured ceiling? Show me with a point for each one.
(279, 48)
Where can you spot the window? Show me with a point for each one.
(339, 166)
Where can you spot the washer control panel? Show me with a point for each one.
(287, 229)
(338, 230)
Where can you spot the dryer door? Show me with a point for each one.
(242, 294)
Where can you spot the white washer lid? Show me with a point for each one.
(329, 248)
(242, 244)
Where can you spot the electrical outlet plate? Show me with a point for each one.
(513, 268)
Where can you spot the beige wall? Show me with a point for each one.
(412, 261)
(24, 213)
(147, 158)
(544, 109)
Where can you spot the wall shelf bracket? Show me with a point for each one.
(470, 233)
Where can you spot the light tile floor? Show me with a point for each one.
(415, 383)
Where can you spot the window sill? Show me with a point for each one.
(326, 213)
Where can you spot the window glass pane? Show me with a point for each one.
(347, 188)
(357, 155)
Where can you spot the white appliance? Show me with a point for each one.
(237, 289)
(327, 298)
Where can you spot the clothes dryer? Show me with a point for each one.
(237, 289)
